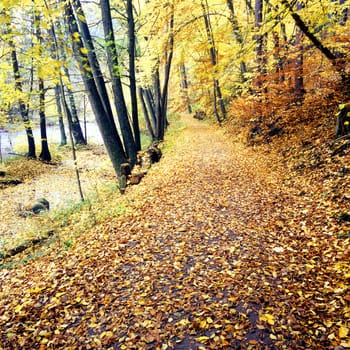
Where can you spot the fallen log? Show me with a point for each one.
(27, 244)
(8, 182)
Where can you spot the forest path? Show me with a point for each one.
(216, 253)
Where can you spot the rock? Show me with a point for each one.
(154, 153)
(200, 115)
(40, 205)
(135, 179)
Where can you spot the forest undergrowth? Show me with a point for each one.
(221, 246)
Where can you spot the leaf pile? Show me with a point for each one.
(220, 251)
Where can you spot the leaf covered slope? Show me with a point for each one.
(217, 253)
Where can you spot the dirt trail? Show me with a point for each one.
(217, 253)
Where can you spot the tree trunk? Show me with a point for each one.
(45, 152)
(160, 123)
(132, 74)
(114, 70)
(259, 42)
(169, 57)
(238, 35)
(145, 114)
(18, 86)
(60, 116)
(213, 57)
(298, 66)
(184, 85)
(151, 108)
(74, 121)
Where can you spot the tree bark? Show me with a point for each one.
(146, 114)
(213, 57)
(298, 65)
(132, 74)
(60, 116)
(184, 85)
(114, 70)
(45, 152)
(238, 35)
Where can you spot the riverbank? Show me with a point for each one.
(56, 182)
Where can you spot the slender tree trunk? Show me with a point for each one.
(145, 114)
(151, 107)
(45, 152)
(213, 57)
(60, 116)
(114, 70)
(184, 85)
(74, 121)
(18, 86)
(169, 57)
(160, 123)
(259, 42)
(238, 35)
(132, 74)
(298, 66)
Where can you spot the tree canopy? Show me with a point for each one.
(216, 57)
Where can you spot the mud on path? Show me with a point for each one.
(218, 251)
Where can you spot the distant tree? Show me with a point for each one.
(214, 60)
(23, 107)
(60, 116)
(298, 63)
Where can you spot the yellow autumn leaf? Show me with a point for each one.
(18, 308)
(268, 318)
(202, 339)
(184, 322)
(343, 331)
(345, 344)
(108, 334)
(84, 50)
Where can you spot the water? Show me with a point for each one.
(10, 139)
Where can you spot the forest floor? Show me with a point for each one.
(219, 247)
